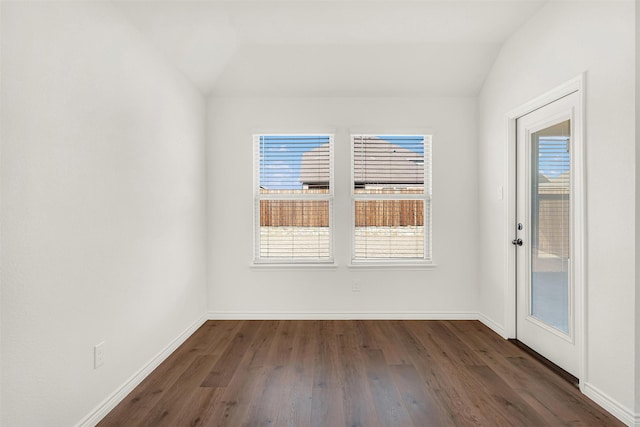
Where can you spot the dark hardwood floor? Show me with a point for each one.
(353, 373)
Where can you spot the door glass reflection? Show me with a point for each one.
(550, 226)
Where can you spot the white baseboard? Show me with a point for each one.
(611, 405)
(491, 324)
(342, 315)
(116, 397)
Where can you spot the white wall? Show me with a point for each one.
(561, 41)
(103, 213)
(238, 290)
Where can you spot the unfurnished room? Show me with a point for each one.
(319, 213)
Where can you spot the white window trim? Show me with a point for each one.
(291, 263)
(393, 264)
(275, 266)
(427, 196)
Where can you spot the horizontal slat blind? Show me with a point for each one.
(391, 162)
(552, 201)
(293, 198)
(389, 229)
(294, 163)
(295, 229)
(391, 177)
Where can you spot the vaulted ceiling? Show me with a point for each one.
(331, 48)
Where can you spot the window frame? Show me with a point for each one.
(292, 262)
(426, 197)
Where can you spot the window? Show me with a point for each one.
(293, 198)
(391, 197)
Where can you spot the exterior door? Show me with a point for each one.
(546, 289)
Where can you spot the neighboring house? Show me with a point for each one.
(377, 163)
(314, 175)
(379, 167)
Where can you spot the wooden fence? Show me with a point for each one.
(389, 213)
(294, 213)
(551, 232)
(368, 213)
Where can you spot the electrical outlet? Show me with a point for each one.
(355, 285)
(98, 355)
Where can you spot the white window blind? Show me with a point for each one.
(550, 206)
(293, 198)
(391, 197)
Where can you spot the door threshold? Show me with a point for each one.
(548, 363)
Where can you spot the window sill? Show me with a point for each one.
(293, 266)
(393, 265)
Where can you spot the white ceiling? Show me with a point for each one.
(331, 48)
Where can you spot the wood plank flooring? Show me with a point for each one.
(353, 373)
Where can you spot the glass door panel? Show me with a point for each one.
(550, 225)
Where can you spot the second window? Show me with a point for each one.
(391, 197)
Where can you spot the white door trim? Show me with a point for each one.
(576, 84)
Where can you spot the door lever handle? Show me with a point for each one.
(517, 242)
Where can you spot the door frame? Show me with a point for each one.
(577, 84)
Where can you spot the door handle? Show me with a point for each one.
(517, 242)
